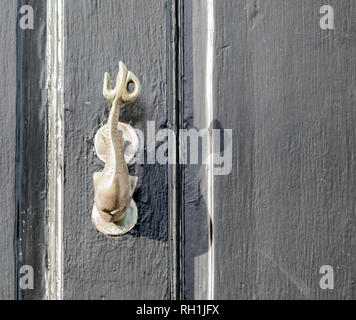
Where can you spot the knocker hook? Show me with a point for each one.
(121, 90)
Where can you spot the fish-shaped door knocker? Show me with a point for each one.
(115, 212)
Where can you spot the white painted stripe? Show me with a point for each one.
(55, 82)
(209, 99)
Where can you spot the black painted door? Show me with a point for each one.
(246, 188)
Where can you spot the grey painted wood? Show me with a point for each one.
(99, 34)
(8, 146)
(287, 89)
(196, 215)
(175, 171)
(32, 151)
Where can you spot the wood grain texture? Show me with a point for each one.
(287, 89)
(32, 150)
(8, 15)
(98, 35)
(196, 215)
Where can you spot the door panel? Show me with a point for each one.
(286, 88)
(98, 35)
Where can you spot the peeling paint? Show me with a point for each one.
(55, 78)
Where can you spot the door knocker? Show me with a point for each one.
(115, 212)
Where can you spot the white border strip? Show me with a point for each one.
(209, 100)
(55, 82)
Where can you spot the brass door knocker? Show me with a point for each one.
(115, 212)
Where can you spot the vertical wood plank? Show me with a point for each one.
(97, 35)
(31, 164)
(175, 170)
(55, 177)
(197, 217)
(8, 14)
(287, 89)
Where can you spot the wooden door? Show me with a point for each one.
(256, 199)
